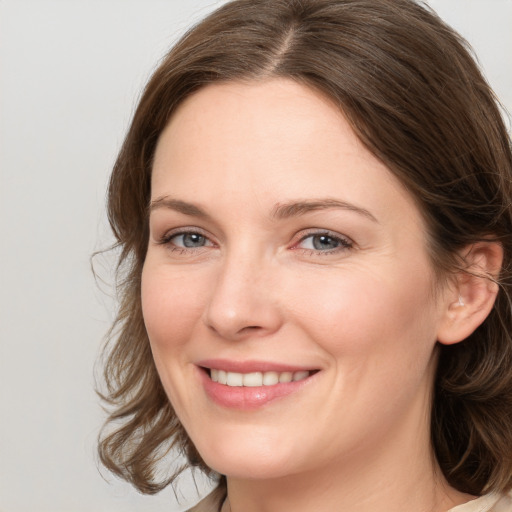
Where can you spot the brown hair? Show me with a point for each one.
(415, 97)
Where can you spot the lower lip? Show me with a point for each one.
(248, 398)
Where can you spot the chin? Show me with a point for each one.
(244, 468)
(238, 458)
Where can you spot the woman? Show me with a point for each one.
(313, 206)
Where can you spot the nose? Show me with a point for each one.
(243, 302)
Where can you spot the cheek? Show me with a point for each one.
(172, 305)
(360, 312)
(379, 334)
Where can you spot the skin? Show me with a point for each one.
(366, 313)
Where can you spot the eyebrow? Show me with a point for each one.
(280, 211)
(179, 206)
(296, 208)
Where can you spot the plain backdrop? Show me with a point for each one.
(70, 74)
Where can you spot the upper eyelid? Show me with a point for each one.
(184, 231)
(318, 231)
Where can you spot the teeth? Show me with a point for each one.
(255, 379)
(235, 379)
(270, 378)
(300, 375)
(286, 377)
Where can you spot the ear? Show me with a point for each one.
(471, 297)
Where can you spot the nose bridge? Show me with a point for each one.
(241, 301)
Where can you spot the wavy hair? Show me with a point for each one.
(412, 92)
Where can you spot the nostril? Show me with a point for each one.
(250, 329)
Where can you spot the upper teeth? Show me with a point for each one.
(256, 378)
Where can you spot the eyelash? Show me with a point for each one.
(344, 243)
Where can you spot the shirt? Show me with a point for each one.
(488, 503)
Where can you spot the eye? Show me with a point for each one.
(185, 240)
(324, 242)
(189, 240)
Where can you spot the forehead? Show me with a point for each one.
(269, 142)
(276, 114)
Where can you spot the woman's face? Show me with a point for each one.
(280, 249)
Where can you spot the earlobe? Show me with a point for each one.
(471, 298)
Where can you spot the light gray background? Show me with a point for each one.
(70, 74)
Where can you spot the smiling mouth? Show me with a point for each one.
(257, 379)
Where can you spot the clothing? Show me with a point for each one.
(488, 503)
(212, 503)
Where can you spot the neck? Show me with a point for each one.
(392, 492)
(394, 474)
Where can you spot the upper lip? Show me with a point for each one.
(251, 366)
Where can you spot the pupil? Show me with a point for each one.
(324, 242)
(193, 240)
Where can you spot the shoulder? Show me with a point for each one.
(212, 502)
(504, 504)
(488, 503)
